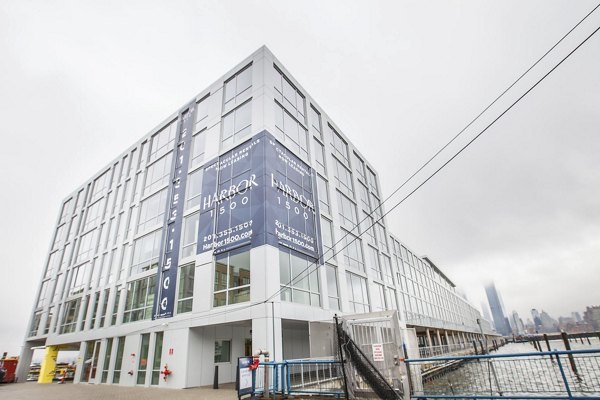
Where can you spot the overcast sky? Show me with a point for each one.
(80, 81)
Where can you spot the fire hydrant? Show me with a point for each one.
(255, 362)
(166, 372)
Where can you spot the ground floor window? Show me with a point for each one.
(298, 278)
(118, 359)
(232, 277)
(143, 360)
(158, 343)
(106, 363)
(222, 351)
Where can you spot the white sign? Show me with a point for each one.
(378, 352)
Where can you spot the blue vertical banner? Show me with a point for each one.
(259, 193)
(164, 299)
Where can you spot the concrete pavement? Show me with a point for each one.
(82, 391)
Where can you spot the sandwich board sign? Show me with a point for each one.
(245, 378)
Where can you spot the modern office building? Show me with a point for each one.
(497, 307)
(224, 230)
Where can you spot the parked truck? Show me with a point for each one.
(8, 368)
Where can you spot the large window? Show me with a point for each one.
(381, 237)
(66, 210)
(340, 147)
(152, 211)
(378, 297)
(357, 293)
(49, 320)
(140, 299)
(387, 269)
(238, 88)
(185, 288)
(343, 178)
(106, 363)
(353, 256)
(374, 262)
(299, 278)
(115, 310)
(158, 344)
(79, 278)
(327, 238)
(59, 236)
(145, 252)
(35, 324)
(158, 173)
(315, 122)
(189, 235)
(104, 308)
(323, 193)
(100, 186)
(53, 264)
(87, 246)
(93, 215)
(194, 188)
(347, 211)
(201, 113)
(391, 301)
(359, 166)
(363, 197)
(163, 140)
(332, 287)
(94, 311)
(143, 360)
(232, 277)
(119, 359)
(289, 96)
(372, 181)
(237, 124)
(320, 156)
(367, 226)
(70, 313)
(294, 133)
(198, 149)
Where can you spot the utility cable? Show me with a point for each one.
(450, 142)
(210, 314)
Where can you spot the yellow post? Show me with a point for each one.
(48, 365)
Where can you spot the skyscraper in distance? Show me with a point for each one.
(497, 308)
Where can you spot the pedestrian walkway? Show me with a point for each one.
(54, 391)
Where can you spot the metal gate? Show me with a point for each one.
(379, 338)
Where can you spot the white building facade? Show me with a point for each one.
(226, 230)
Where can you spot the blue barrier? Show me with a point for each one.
(300, 377)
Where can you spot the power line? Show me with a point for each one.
(446, 146)
(210, 313)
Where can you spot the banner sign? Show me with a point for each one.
(164, 299)
(258, 193)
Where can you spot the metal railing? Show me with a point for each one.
(300, 377)
(542, 375)
(435, 351)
